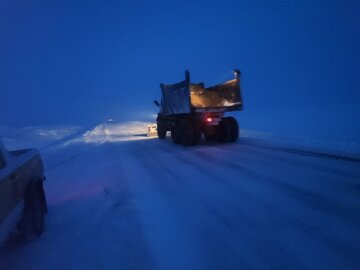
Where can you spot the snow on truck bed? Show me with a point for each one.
(120, 200)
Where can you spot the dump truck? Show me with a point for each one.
(191, 111)
(22, 197)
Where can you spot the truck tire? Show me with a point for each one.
(234, 129)
(161, 130)
(31, 224)
(176, 133)
(173, 135)
(187, 132)
(197, 132)
(224, 130)
(228, 130)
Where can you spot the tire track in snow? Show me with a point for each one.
(322, 202)
(304, 162)
(324, 184)
(170, 239)
(182, 198)
(314, 153)
(306, 198)
(232, 226)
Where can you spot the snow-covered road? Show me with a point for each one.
(150, 204)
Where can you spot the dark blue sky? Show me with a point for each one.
(79, 62)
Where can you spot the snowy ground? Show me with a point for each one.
(119, 200)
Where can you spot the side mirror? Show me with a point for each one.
(157, 103)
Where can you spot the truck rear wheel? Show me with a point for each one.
(224, 131)
(176, 133)
(161, 130)
(228, 130)
(234, 129)
(197, 132)
(187, 132)
(31, 224)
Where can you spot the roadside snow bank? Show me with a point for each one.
(114, 132)
(34, 137)
(43, 137)
(53, 137)
(336, 148)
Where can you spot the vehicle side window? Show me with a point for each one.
(2, 160)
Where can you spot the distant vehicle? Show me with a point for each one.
(22, 198)
(151, 130)
(189, 110)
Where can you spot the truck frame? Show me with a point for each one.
(191, 110)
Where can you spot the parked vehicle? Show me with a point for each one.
(22, 198)
(151, 130)
(191, 110)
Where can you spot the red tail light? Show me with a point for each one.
(209, 119)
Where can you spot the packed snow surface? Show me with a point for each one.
(120, 200)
